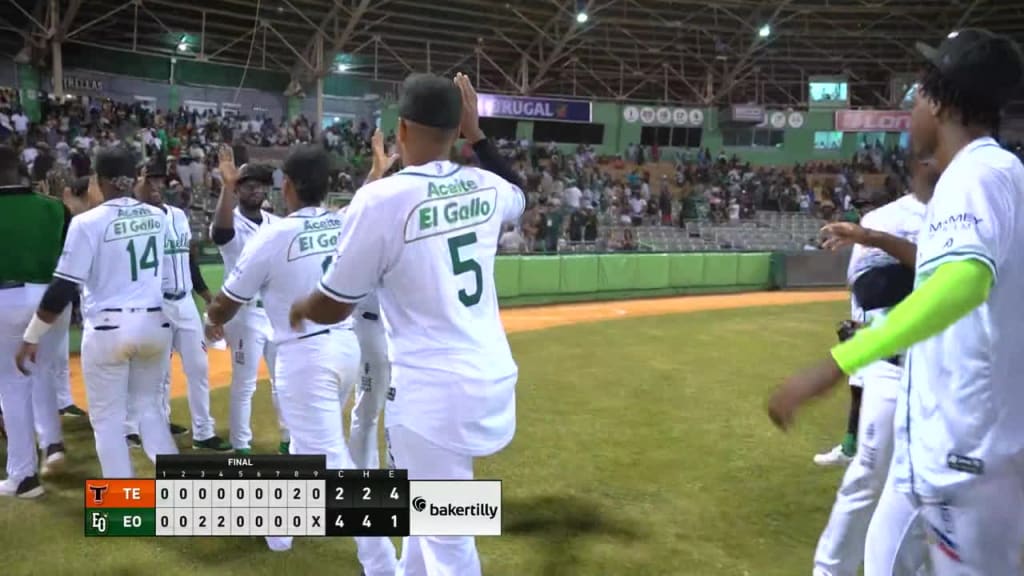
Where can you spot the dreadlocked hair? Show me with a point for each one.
(973, 108)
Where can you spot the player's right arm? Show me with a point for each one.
(73, 269)
(842, 234)
(222, 229)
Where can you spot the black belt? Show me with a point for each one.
(895, 360)
(157, 309)
(370, 316)
(320, 333)
(175, 297)
(11, 285)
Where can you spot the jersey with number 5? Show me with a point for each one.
(282, 263)
(114, 252)
(426, 240)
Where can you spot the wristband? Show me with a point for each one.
(35, 330)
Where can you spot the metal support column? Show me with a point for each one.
(55, 50)
(319, 84)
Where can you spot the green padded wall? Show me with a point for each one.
(579, 274)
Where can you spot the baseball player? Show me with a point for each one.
(877, 282)
(248, 334)
(114, 252)
(180, 277)
(959, 454)
(315, 364)
(33, 229)
(374, 382)
(425, 239)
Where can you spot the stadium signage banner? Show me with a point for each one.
(500, 106)
(872, 121)
(742, 113)
(663, 116)
(88, 84)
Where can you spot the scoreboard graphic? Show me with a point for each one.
(275, 495)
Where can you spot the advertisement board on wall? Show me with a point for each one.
(663, 116)
(529, 108)
(872, 120)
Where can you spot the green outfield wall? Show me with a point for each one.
(533, 280)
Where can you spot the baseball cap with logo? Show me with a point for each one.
(979, 63)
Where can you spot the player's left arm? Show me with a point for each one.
(364, 254)
(243, 283)
(198, 282)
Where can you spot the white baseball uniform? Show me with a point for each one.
(374, 381)
(959, 433)
(841, 548)
(425, 239)
(186, 326)
(114, 252)
(249, 337)
(317, 365)
(52, 357)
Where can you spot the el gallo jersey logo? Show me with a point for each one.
(455, 508)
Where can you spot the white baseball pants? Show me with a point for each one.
(187, 341)
(17, 305)
(124, 358)
(895, 540)
(974, 530)
(371, 391)
(248, 337)
(432, 555)
(52, 358)
(840, 550)
(312, 374)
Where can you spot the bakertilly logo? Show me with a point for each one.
(420, 504)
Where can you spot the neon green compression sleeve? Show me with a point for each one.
(953, 291)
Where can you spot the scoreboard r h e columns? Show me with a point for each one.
(285, 495)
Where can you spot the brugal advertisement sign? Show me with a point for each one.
(527, 108)
(872, 121)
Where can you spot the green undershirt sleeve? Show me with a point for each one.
(952, 291)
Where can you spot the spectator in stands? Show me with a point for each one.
(511, 241)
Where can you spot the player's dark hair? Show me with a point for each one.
(308, 168)
(431, 101)
(9, 166)
(973, 108)
(115, 162)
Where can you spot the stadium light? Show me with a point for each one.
(342, 67)
(581, 17)
(953, 34)
(183, 44)
(765, 31)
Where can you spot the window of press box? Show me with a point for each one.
(498, 128)
(670, 136)
(870, 139)
(829, 92)
(752, 137)
(828, 140)
(568, 132)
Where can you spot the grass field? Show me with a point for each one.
(643, 449)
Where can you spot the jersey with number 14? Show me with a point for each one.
(282, 263)
(425, 239)
(114, 252)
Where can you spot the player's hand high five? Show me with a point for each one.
(470, 125)
(226, 165)
(382, 162)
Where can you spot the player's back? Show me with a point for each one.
(283, 262)
(176, 277)
(439, 299)
(114, 251)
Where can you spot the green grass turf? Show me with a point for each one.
(643, 449)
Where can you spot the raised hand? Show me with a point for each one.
(470, 125)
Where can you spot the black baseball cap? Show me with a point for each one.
(979, 63)
(432, 101)
(261, 173)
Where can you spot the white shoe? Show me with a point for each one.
(279, 543)
(24, 488)
(834, 457)
(53, 464)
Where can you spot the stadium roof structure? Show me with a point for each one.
(688, 52)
